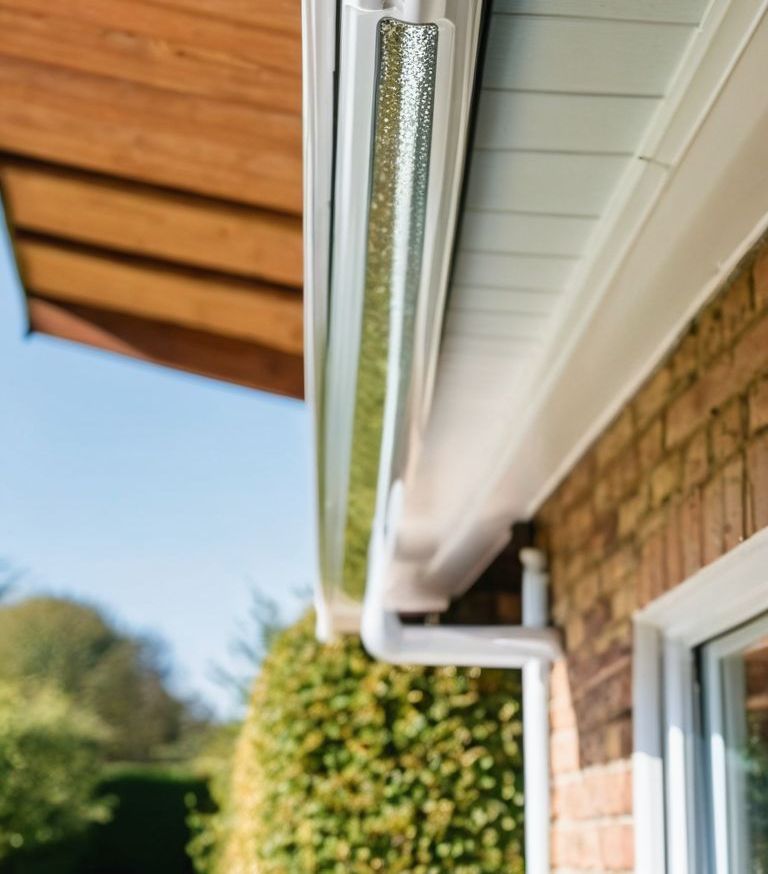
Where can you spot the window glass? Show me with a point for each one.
(736, 717)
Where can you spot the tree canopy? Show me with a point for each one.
(73, 648)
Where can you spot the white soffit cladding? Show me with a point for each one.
(619, 172)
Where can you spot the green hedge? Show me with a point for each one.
(349, 765)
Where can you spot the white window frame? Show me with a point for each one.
(727, 593)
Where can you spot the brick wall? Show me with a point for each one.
(678, 479)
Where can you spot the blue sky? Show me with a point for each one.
(161, 496)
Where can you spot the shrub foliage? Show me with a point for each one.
(50, 754)
(349, 765)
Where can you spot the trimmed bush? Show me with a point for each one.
(50, 759)
(349, 765)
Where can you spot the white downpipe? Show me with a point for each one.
(536, 718)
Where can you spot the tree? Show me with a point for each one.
(50, 752)
(72, 647)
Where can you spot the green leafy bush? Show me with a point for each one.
(50, 758)
(348, 765)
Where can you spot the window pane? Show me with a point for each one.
(756, 751)
(736, 692)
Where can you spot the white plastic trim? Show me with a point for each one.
(722, 596)
(688, 217)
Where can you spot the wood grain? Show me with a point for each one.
(278, 15)
(140, 220)
(269, 316)
(162, 48)
(195, 351)
(191, 142)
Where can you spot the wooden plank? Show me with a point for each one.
(144, 221)
(673, 11)
(562, 122)
(162, 48)
(198, 352)
(537, 234)
(571, 185)
(217, 148)
(261, 314)
(275, 15)
(592, 56)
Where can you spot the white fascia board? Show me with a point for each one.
(683, 228)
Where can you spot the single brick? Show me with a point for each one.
(757, 485)
(695, 461)
(652, 396)
(665, 479)
(758, 405)
(727, 431)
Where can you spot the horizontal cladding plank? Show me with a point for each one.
(502, 271)
(260, 314)
(194, 143)
(562, 122)
(687, 11)
(538, 234)
(579, 185)
(277, 15)
(162, 48)
(199, 352)
(503, 300)
(147, 221)
(529, 53)
(466, 323)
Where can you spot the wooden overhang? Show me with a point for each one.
(150, 168)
